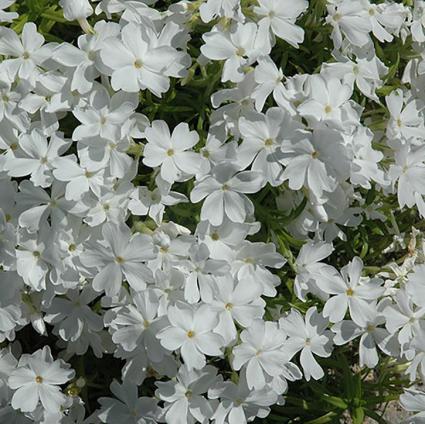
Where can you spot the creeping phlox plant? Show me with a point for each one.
(211, 211)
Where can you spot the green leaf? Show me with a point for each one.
(335, 401)
(327, 418)
(386, 89)
(393, 69)
(358, 415)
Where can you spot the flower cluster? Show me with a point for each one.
(125, 235)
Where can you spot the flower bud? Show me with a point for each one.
(78, 10)
(74, 10)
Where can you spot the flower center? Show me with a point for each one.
(190, 334)
(38, 379)
(26, 55)
(328, 109)
(240, 52)
(119, 260)
(349, 292)
(215, 236)
(170, 152)
(91, 55)
(229, 306)
(138, 64)
(268, 142)
(72, 247)
(73, 392)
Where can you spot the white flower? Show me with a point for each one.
(239, 48)
(409, 173)
(128, 407)
(310, 271)
(37, 379)
(136, 325)
(184, 398)
(371, 336)
(403, 318)
(84, 61)
(70, 315)
(327, 99)
(280, 17)
(367, 73)
(139, 61)
(236, 301)
(418, 24)
(224, 192)
(309, 162)
(262, 137)
(269, 79)
(104, 115)
(7, 242)
(24, 56)
(349, 19)
(191, 331)
(406, 121)
(34, 257)
(238, 403)
(310, 336)
(40, 206)
(417, 357)
(351, 291)
(413, 400)
(366, 160)
(119, 254)
(38, 158)
(416, 284)
(171, 151)
(76, 9)
(251, 261)
(153, 203)
(262, 352)
(7, 16)
(378, 21)
(201, 272)
(211, 9)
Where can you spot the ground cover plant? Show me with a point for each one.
(211, 211)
